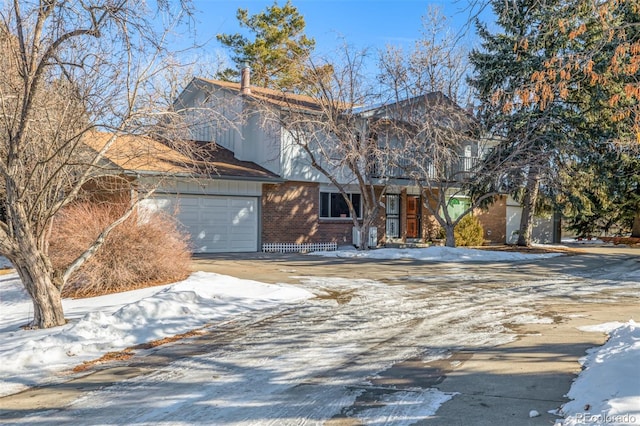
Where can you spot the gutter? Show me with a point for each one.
(203, 177)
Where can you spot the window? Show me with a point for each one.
(333, 205)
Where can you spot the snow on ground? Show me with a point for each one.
(583, 241)
(607, 391)
(109, 323)
(448, 254)
(4, 263)
(415, 406)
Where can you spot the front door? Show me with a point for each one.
(413, 216)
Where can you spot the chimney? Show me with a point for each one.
(245, 80)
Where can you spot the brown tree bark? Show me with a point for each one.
(46, 297)
(528, 208)
(47, 303)
(635, 230)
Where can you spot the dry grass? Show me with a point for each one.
(141, 252)
(171, 339)
(109, 356)
(630, 241)
(128, 353)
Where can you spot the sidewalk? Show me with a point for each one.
(502, 385)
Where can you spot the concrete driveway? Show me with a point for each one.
(380, 339)
(498, 385)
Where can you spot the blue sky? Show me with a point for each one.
(373, 23)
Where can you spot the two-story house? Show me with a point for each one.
(288, 202)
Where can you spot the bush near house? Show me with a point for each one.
(142, 251)
(469, 232)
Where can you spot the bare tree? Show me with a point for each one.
(332, 132)
(437, 63)
(440, 153)
(441, 143)
(71, 70)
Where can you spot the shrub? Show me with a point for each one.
(469, 232)
(141, 252)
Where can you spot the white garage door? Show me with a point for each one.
(216, 223)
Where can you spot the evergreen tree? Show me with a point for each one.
(534, 140)
(597, 74)
(278, 51)
(602, 191)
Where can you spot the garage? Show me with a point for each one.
(215, 223)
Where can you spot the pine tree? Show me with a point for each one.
(278, 51)
(534, 139)
(596, 73)
(601, 191)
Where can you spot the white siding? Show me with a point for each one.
(542, 232)
(211, 187)
(224, 117)
(260, 144)
(296, 164)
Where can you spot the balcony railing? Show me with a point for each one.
(459, 169)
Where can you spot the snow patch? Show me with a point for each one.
(582, 241)
(607, 391)
(404, 407)
(440, 254)
(109, 323)
(4, 263)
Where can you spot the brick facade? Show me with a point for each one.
(291, 214)
(494, 221)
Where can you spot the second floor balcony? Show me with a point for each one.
(456, 169)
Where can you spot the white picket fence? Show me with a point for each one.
(298, 248)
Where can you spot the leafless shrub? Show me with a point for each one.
(138, 253)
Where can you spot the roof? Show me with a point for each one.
(144, 154)
(226, 165)
(139, 153)
(279, 98)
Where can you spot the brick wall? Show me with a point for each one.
(494, 221)
(290, 214)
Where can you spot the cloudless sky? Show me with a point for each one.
(373, 23)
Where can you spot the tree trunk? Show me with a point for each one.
(528, 209)
(450, 240)
(363, 230)
(47, 301)
(635, 230)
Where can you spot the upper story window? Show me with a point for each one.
(333, 205)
